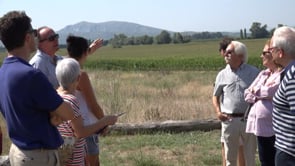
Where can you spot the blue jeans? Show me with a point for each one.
(266, 150)
(92, 145)
(284, 159)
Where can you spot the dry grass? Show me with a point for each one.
(155, 96)
(151, 96)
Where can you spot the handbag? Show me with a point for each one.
(65, 151)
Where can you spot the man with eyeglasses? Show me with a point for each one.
(230, 105)
(27, 98)
(283, 52)
(45, 58)
(222, 50)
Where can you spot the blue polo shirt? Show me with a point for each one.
(26, 98)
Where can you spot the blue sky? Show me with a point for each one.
(175, 15)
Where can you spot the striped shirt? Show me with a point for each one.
(284, 113)
(66, 129)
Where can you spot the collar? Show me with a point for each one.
(241, 67)
(12, 59)
(47, 57)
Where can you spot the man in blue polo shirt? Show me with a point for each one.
(27, 98)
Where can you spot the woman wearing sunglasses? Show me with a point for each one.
(260, 94)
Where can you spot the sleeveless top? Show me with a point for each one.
(87, 115)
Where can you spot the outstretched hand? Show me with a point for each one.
(95, 45)
(110, 120)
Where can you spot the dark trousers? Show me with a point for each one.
(284, 159)
(266, 150)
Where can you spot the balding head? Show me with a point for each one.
(48, 40)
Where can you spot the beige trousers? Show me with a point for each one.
(39, 157)
(233, 130)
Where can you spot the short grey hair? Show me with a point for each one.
(67, 72)
(284, 38)
(240, 49)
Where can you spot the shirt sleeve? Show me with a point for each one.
(44, 95)
(218, 86)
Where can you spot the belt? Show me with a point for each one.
(235, 115)
(34, 150)
(42, 150)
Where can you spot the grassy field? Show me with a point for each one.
(155, 96)
(199, 55)
(157, 83)
(169, 149)
(160, 149)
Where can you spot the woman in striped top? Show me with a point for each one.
(68, 73)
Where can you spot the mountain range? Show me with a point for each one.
(107, 30)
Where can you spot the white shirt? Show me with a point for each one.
(87, 115)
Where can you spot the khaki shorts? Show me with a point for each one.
(240, 141)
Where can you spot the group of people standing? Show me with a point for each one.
(45, 101)
(48, 99)
(257, 108)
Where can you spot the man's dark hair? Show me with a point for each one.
(14, 26)
(224, 43)
(76, 46)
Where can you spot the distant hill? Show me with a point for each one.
(106, 30)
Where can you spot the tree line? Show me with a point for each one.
(163, 38)
(257, 30)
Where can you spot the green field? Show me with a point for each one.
(198, 55)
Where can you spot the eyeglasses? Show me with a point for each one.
(265, 53)
(50, 38)
(34, 32)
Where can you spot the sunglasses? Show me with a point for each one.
(50, 38)
(265, 53)
(34, 32)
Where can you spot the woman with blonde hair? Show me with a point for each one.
(260, 94)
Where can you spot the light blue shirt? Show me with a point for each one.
(46, 64)
(230, 86)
